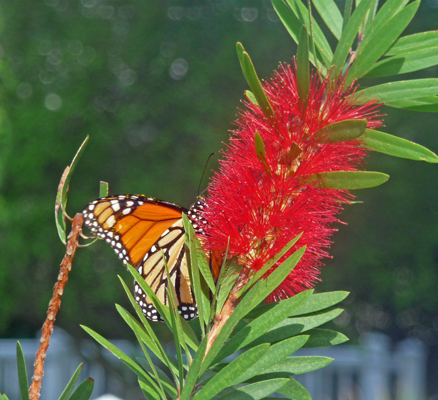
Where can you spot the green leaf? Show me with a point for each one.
(269, 284)
(411, 43)
(84, 390)
(300, 364)
(23, 381)
(386, 12)
(260, 151)
(293, 388)
(319, 38)
(398, 147)
(275, 354)
(368, 54)
(342, 131)
(251, 97)
(415, 94)
(248, 302)
(71, 384)
(262, 324)
(329, 12)
(348, 180)
(61, 196)
(161, 308)
(131, 364)
(293, 25)
(103, 189)
(348, 8)
(349, 35)
(324, 337)
(232, 371)
(253, 81)
(147, 390)
(231, 273)
(192, 375)
(297, 325)
(166, 382)
(148, 337)
(410, 62)
(303, 75)
(197, 252)
(255, 391)
(320, 301)
(3, 397)
(262, 271)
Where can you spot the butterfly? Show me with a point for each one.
(141, 229)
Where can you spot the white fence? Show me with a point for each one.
(373, 371)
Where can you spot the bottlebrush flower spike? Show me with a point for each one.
(262, 201)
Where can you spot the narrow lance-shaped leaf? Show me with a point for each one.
(303, 77)
(386, 12)
(84, 390)
(61, 196)
(262, 324)
(103, 189)
(232, 371)
(367, 55)
(138, 332)
(261, 152)
(329, 12)
(415, 94)
(418, 41)
(293, 25)
(262, 271)
(324, 337)
(397, 147)
(253, 81)
(322, 45)
(192, 375)
(256, 391)
(149, 338)
(71, 384)
(299, 392)
(405, 63)
(342, 131)
(349, 34)
(348, 8)
(348, 180)
(23, 381)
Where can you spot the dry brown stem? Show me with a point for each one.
(228, 308)
(54, 305)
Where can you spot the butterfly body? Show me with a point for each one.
(141, 230)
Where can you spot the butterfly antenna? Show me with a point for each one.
(203, 173)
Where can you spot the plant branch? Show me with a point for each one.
(54, 305)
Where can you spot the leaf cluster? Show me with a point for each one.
(251, 355)
(82, 392)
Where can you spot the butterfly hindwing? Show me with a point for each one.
(141, 229)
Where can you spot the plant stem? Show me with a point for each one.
(228, 308)
(54, 305)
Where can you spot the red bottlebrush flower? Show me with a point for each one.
(263, 206)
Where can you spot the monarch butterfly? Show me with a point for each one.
(140, 229)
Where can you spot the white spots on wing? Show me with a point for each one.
(126, 211)
(116, 207)
(129, 203)
(111, 221)
(140, 270)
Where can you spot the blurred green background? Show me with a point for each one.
(156, 85)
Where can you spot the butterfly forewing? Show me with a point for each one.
(141, 229)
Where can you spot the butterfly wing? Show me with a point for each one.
(140, 229)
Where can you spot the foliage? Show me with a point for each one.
(269, 334)
(82, 392)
